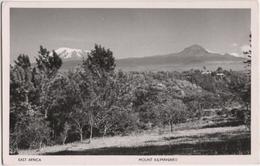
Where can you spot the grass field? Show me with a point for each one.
(187, 139)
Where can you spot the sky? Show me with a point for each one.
(129, 32)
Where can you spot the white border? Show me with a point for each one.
(90, 160)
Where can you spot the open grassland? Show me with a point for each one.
(186, 139)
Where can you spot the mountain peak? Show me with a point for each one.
(194, 50)
(196, 47)
(71, 53)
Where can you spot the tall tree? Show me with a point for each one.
(98, 70)
(47, 67)
(24, 112)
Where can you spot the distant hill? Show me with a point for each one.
(193, 57)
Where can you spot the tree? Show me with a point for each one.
(20, 87)
(25, 117)
(248, 53)
(31, 131)
(60, 98)
(83, 85)
(173, 112)
(27, 94)
(21, 76)
(65, 132)
(48, 63)
(247, 89)
(23, 61)
(47, 67)
(98, 70)
(117, 103)
(100, 59)
(240, 85)
(79, 120)
(146, 97)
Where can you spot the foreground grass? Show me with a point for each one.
(183, 141)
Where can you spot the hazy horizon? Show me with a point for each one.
(130, 32)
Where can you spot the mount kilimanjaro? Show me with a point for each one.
(193, 57)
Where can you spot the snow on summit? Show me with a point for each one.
(71, 53)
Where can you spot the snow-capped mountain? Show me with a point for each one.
(71, 53)
(192, 57)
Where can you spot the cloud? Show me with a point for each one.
(211, 51)
(245, 48)
(235, 54)
(234, 44)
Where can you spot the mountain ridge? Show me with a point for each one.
(192, 54)
(189, 57)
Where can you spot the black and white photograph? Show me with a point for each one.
(130, 81)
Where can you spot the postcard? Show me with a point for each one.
(130, 82)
